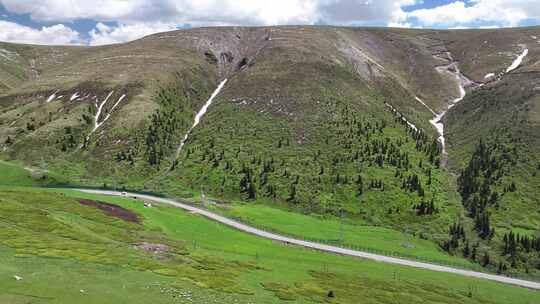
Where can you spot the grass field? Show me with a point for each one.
(81, 282)
(328, 229)
(307, 226)
(14, 175)
(60, 247)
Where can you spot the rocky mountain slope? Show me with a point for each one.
(430, 132)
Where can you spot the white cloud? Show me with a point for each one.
(104, 10)
(247, 12)
(490, 27)
(137, 18)
(103, 34)
(238, 12)
(399, 25)
(196, 11)
(350, 11)
(504, 12)
(54, 35)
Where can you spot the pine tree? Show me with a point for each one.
(359, 186)
(466, 249)
(485, 259)
(473, 253)
(292, 193)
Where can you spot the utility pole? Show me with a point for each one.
(202, 197)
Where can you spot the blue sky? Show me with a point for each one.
(113, 21)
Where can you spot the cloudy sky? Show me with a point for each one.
(101, 22)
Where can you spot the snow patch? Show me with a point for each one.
(199, 115)
(74, 96)
(52, 97)
(401, 116)
(460, 98)
(517, 61)
(437, 121)
(439, 126)
(97, 123)
(114, 107)
(489, 75)
(424, 104)
(9, 55)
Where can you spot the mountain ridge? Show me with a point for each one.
(321, 119)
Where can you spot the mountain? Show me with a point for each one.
(430, 132)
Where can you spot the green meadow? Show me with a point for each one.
(67, 252)
(346, 233)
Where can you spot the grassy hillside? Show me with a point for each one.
(165, 254)
(318, 120)
(339, 231)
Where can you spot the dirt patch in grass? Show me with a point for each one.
(152, 248)
(113, 210)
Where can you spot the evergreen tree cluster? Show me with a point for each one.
(483, 226)
(177, 103)
(478, 183)
(166, 124)
(482, 184)
(412, 183)
(457, 234)
(426, 208)
(67, 141)
(513, 243)
(424, 143)
(319, 175)
(125, 156)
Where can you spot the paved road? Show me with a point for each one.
(323, 247)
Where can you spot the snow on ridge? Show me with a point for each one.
(74, 96)
(53, 96)
(437, 121)
(7, 54)
(489, 75)
(425, 105)
(199, 115)
(517, 61)
(403, 118)
(97, 124)
(439, 126)
(462, 93)
(113, 107)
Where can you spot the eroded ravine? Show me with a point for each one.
(198, 117)
(463, 82)
(99, 120)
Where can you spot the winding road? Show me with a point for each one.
(323, 247)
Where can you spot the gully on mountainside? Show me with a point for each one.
(463, 82)
(199, 115)
(515, 64)
(97, 122)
